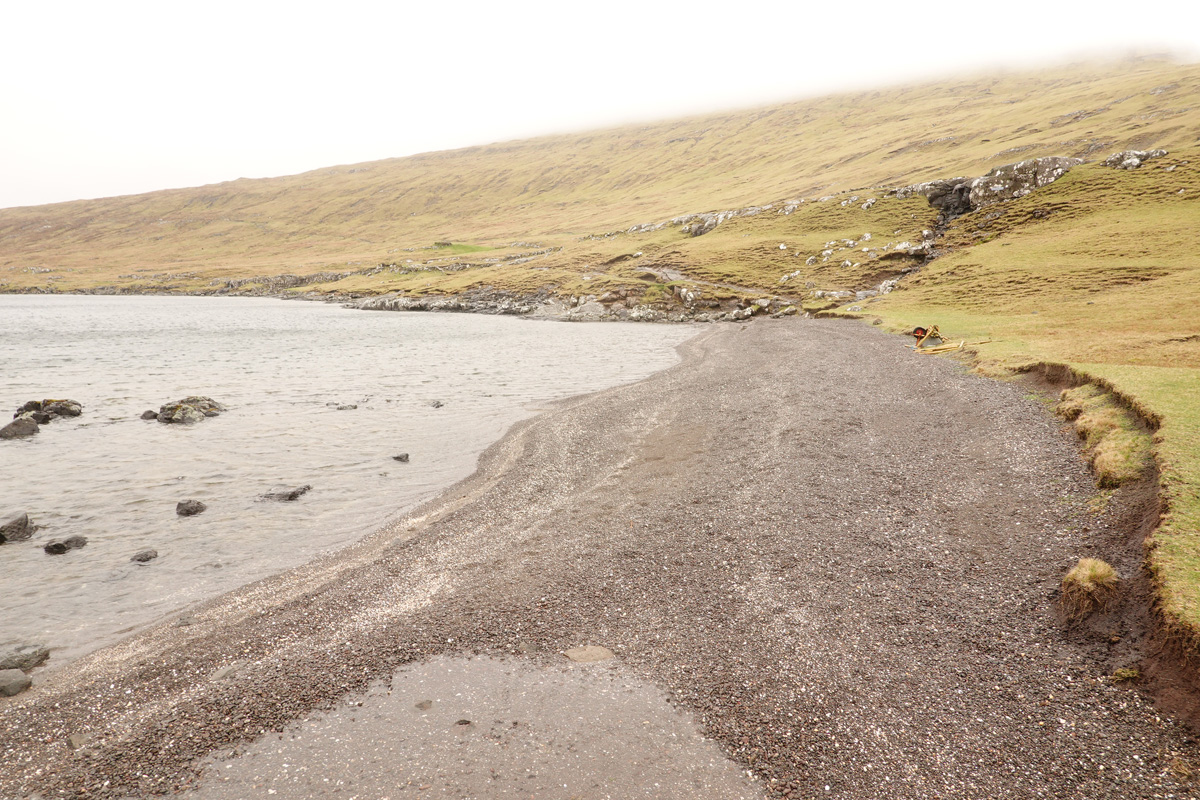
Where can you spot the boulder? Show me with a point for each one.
(287, 495)
(17, 529)
(18, 428)
(62, 408)
(402, 458)
(150, 414)
(143, 556)
(189, 508)
(25, 657)
(1132, 159)
(56, 547)
(189, 410)
(13, 682)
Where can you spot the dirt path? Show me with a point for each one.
(839, 557)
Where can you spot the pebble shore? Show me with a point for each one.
(839, 558)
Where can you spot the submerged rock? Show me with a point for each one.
(17, 529)
(45, 410)
(286, 495)
(57, 547)
(62, 408)
(25, 657)
(189, 410)
(143, 556)
(402, 458)
(19, 428)
(13, 682)
(189, 508)
(150, 414)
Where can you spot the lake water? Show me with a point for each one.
(281, 369)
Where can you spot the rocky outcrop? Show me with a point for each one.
(189, 508)
(1132, 159)
(189, 410)
(955, 196)
(17, 529)
(478, 301)
(56, 547)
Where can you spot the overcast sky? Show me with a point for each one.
(100, 99)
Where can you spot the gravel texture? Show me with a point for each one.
(840, 557)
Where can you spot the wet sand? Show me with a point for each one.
(836, 558)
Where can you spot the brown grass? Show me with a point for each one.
(1090, 585)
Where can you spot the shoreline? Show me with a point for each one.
(726, 587)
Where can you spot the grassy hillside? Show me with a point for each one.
(1097, 271)
(553, 189)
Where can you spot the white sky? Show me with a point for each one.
(108, 98)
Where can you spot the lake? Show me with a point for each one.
(439, 387)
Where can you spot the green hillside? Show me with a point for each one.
(1096, 271)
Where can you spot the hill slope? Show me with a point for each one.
(555, 188)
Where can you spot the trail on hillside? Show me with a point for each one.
(839, 557)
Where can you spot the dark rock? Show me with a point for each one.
(436, 404)
(17, 529)
(285, 495)
(13, 682)
(23, 426)
(40, 417)
(63, 408)
(150, 414)
(57, 547)
(189, 508)
(25, 657)
(142, 556)
(347, 407)
(402, 458)
(189, 410)
(32, 405)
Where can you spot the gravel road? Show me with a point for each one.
(837, 557)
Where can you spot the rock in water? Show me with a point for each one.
(285, 495)
(189, 508)
(189, 410)
(13, 681)
(150, 414)
(143, 556)
(20, 427)
(17, 529)
(62, 408)
(25, 657)
(402, 458)
(57, 547)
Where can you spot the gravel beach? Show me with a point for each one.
(838, 559)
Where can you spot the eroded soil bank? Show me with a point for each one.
(839, 557)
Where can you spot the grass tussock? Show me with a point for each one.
(1091, 584)
(1117, 447)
